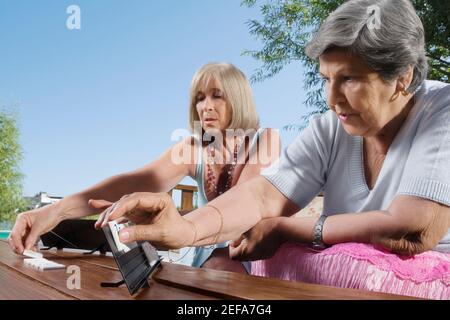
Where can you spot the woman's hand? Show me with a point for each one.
(260, 242)
(102, 204)
(159, 222)
(30, 225)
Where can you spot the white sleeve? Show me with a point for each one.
(300, 173)
(427, 170)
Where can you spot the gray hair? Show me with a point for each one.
(389, 47)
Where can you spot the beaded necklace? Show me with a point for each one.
(214, 189)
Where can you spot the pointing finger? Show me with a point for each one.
(150, 202)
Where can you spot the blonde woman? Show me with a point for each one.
(226, 148)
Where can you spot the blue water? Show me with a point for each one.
(4, 235)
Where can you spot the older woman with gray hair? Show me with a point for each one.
(380, 155)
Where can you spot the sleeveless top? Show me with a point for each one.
(201, 254)
(199, 170)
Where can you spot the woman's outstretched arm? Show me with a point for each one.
(159, 176)
(224, 218)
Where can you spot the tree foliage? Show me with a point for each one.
(10, 176)
(287, 26)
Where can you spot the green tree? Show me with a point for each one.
(287, 26)
(11, 200)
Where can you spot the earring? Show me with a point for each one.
(404, 90)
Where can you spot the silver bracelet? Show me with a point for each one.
(318, 243)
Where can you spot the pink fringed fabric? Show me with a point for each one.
(361, 266)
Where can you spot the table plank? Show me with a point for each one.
(174, 281)
(230, 285)
(92, 274)
(26, 288)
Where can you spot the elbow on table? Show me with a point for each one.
(415, 225)
(409, 243)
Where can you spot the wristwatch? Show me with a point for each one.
(318, 243)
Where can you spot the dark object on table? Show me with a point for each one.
(135, 265)
(76, 234)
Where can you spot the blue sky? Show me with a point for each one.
(105, 99)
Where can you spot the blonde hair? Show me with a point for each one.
(237, 93)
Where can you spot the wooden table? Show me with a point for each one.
(175, 282)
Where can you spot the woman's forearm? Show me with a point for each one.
(364, 227)
(357, 227)
(379, 227)
(73, 207)
(238, 210)
(228, 216)
(349, 227)
(111, 189)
